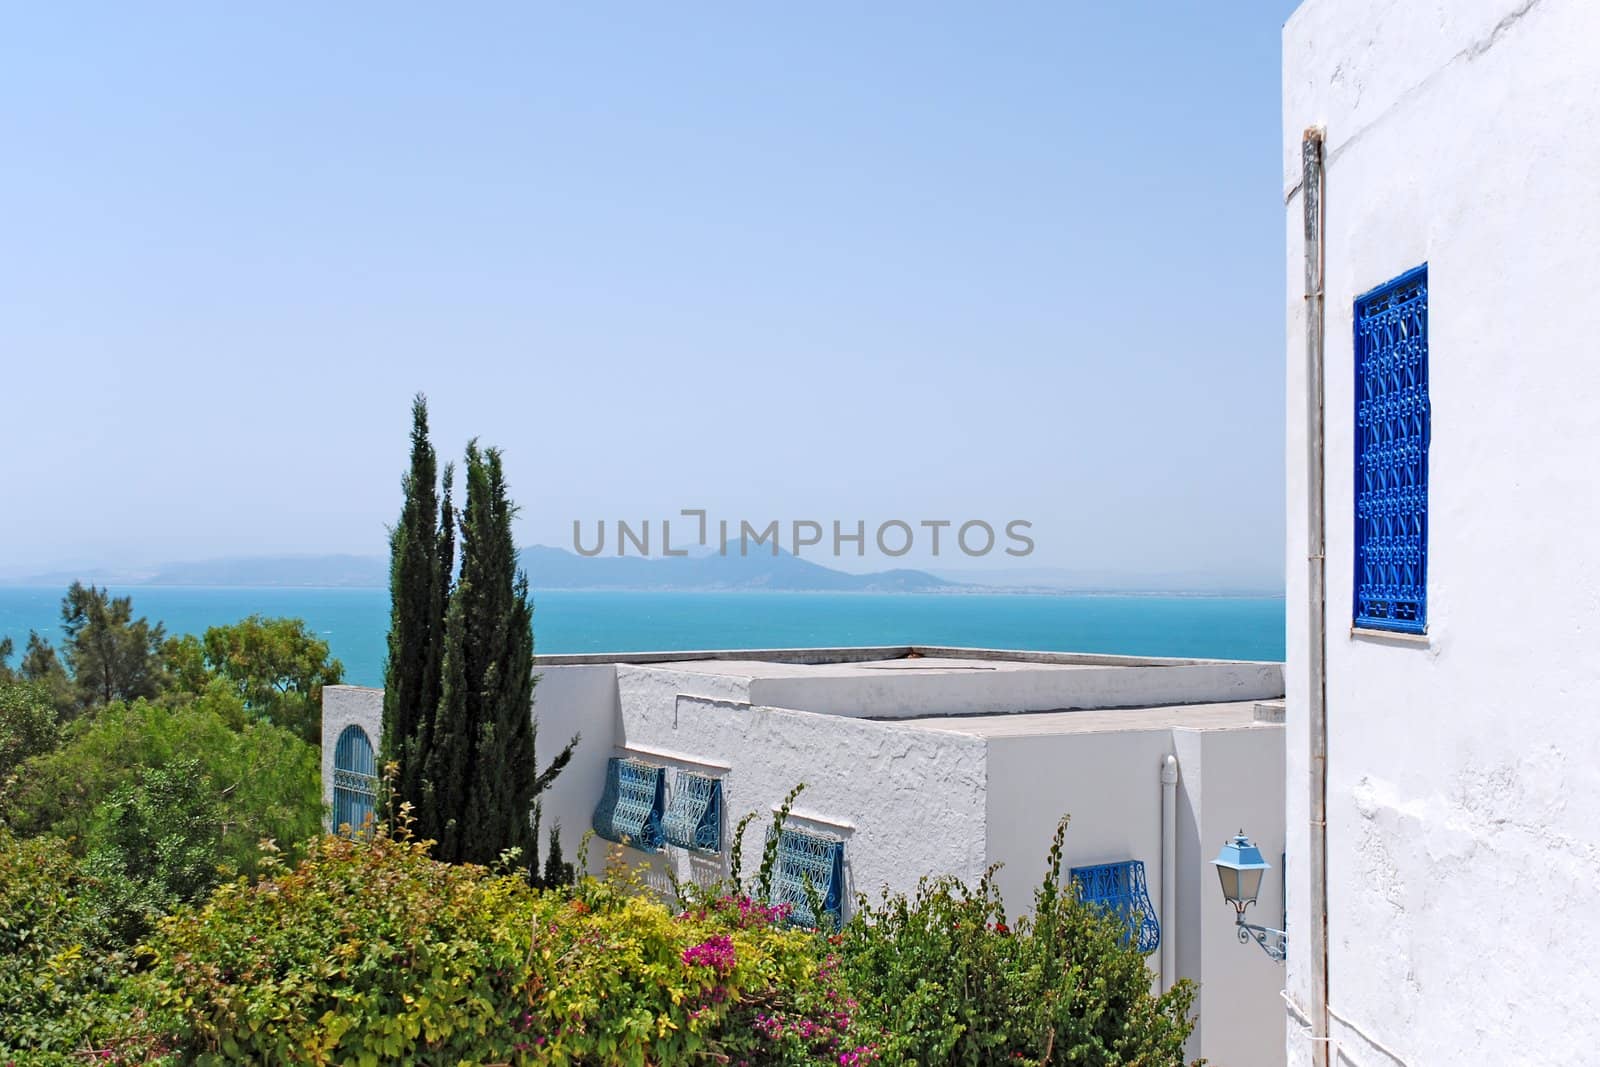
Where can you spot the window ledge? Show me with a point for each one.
(652, 752)
(1368, 634)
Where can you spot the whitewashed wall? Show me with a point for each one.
(342, 706)
(1110, 783)
(905, 801)
(1228, 781)
(910, 693)
(1464, 770)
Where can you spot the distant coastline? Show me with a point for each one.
(552, 569)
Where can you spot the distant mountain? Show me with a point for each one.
(320, 571)
(1063, 580)
(556, 568)
(548, 568)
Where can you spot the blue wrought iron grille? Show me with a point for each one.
(806, 857)
(694, 818)
(1391, 477)
(355, 781)
(1119, 889)
(632, 805)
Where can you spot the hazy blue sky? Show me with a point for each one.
(807, 260)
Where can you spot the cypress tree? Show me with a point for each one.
(480, 757)
(421, 551)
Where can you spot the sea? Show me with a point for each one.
(355, 622)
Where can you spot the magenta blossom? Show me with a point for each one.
(714, 952)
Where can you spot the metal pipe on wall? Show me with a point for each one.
(1169, 870)
(1312, 188)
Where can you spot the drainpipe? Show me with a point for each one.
(1311, 189)
(1169, 870)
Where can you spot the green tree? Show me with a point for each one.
(155, 844)
(40, 664)
(276, 666)
(184, 658)
(110, 654)
(265, 779)
(28, 724)
(422, 558)
(482, 781)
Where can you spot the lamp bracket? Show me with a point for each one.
(1275, 943)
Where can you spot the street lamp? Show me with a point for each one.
(1240, 867)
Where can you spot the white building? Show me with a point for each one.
(1458, 622)
(941, 761)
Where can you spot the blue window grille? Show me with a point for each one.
(355, 781)
(694, 819)
(808, 858)
(1119, 889)
(631, 807)
(1391, 452)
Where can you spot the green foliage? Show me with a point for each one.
(467, 761)
(422, 559)
(945, 979)
(59, 967)
(28, 724)
(276, 667)
(265, 781)
(185, 660)
(155, 845)
(109, 654)
(370, 952)
(41, 666)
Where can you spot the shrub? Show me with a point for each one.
(153, 847)
(28, 724)
(60, 969)
(369, 952)
(264, 780)
(946, 980)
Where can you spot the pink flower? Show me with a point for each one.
(714, 952)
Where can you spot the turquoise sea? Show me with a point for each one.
(355, 621)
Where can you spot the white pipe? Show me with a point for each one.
(1169, 871)
(1311, 194)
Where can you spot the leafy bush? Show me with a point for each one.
(154, 846)
(370, 952)
(28, 724)
(263, 781)
(59, 967)
(946, 980)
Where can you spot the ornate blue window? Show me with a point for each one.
(355, 781)
(1391, 451)
(694, 819)
(809, 858)
(632, 805)
(1119, 889)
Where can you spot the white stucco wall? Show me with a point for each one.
(342, 706)
(909, 693)
(1228, 781)
(1110, 783)
(570, 700)
(1464, 794)
(905, 801)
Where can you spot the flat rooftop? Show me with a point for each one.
(1238, 713)
(931, 682)
(816, 662)
(871, 668)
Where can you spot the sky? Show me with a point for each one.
(916, 261)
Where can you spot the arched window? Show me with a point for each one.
(355, 780)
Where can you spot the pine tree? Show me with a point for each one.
(421, 554)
